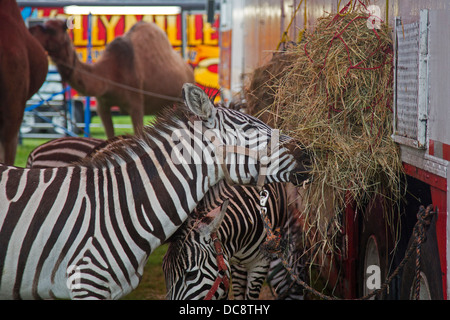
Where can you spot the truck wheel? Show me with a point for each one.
(375, 243)
(430, 270)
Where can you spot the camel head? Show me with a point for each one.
(53, 37)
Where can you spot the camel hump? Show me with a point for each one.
(143, 26)
(147, 31)
(122, 49)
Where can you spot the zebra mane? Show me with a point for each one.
(123, 148)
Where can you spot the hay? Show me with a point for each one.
(335, 98)
(263, 80)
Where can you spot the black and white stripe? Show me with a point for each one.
(190, 266)
(86, 231)
(65, 151)
(62, 152)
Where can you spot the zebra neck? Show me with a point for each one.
(158, 193)
(155, 185)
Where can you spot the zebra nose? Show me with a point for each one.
(307, 163)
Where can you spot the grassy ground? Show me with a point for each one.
(152, 286)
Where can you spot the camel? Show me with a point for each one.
(23, 68)
(139, 72)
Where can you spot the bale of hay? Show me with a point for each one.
(335, 97)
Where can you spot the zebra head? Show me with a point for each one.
(247, 150)
(192, 267)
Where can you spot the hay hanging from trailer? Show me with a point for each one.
(333, 93)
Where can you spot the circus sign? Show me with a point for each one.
(201, 39)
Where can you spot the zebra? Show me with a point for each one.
(190, 265)
(62, 152)
(86, 231)
(65, 151)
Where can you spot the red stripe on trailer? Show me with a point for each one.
(425, 176)
(445, 151)
(439, 149)
(438, 187)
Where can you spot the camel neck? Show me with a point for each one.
(81, 76)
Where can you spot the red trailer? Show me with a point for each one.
(250, 31)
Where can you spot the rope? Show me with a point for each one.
(423, 223)
(347, 8)
(305, 24)
(424, 217)
(284, 37)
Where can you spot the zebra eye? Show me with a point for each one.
(190, 276)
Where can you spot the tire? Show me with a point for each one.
(430, 270)
(375, 245)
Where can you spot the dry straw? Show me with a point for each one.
(333, 93)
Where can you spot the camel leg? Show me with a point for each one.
(10, 148)
(2, 153)
(136, 110)
(12, 108)
(104, 111)
(8, 141)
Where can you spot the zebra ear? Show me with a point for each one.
(197, 101)
(213, 219)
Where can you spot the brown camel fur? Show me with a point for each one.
(142, 59)
(23, 68)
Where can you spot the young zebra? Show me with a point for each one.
(86, 231)
(190, 265)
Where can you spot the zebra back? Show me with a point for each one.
(62, 152)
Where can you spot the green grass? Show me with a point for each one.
(152, 286)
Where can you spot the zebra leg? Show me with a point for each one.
(239, 281)
(89, 277)
(257, 273)
(248, 279)
(87, 281)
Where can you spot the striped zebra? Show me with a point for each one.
(191, 264)
(62, 152)
(65, 151)
(86, 231)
